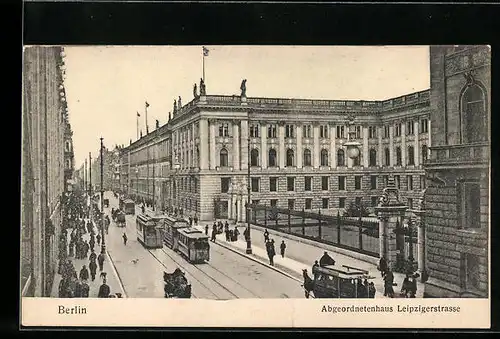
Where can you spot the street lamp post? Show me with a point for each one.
(136, 183)
(174, 191)
(103, 247)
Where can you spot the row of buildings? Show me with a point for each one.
(292, 153)
(47, 166)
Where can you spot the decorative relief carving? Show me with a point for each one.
(281, 123)
(462, 61)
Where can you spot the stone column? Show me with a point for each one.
(391, 145)
(382, 236)
(333, 147)
(281, 144)
(300, 151)
(416, 152)
(213, 158)
(403, 144)
(316, 159)
(429, 144)
(366, 156)
(243, 209)
(236, 146)
(230, 207)
(243, 151)
(263, 145)
(381, 154)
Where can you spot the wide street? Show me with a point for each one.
(227, 275)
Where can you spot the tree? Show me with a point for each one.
(353, 210)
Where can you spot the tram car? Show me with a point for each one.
(149, 231)
(337, 282)
(128, 206)
(120, 219)
(170, 234)
(193, 245)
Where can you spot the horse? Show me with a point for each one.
(308, 283)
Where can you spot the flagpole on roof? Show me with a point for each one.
(204, 53)
(146, 117)
(137, 118)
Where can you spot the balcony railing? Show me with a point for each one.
(477, 153)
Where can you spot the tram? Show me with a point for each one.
(193, 245)
(128, 206)
(171, 235)
(150, 230)
(337, 282)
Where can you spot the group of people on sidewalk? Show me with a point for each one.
(270, 249)
(73, 285)
(409, 285)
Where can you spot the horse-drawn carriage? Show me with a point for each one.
(176, 285)
(119, 218)
(338, 282)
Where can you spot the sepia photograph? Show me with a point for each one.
(308, 174)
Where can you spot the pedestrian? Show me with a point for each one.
(214, 233)
(93, 269)
(316, 264)
(93, 256)
(124, 236)
(206, 229)
(104, 290)
(236, 234)
(100, 260)
(270, 252)
(382, 266)
(190, 221)
(71, 248)
(230, 235)
(86, 249)
(388, 283)
(226, 232)
(84, 273)
(196, 220)
(98, 238)
(371, 290)
(78, 289)
(282, 248)
(266, 236)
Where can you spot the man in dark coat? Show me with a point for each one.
(104, 290)
(282, 248)
(214, 233)
(266, 236)
(206, 229)
(84, 289)
(100, 260)
(382, 265)
(84, 273)
(124, 236)
(93, 269)
(91, 243)
(271, 252)
(388, 281)
(98, 238)
(326, 260)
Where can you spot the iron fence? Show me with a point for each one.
(359, 235)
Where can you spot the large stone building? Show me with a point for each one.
(110, 176)
(457, 197)
(199, 160)
(69, 157)
(44, 123)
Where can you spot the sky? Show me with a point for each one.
(107, 85)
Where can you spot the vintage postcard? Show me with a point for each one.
(256, 186)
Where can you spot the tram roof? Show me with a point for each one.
(343, 272)
(193, 233)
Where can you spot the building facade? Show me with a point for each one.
(110, 178)
(457, 198)
(199, 161)
(69, 157)
(44, 123)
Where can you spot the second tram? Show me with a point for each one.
(149, 231)
(193, 245)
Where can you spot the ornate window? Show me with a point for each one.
(224, 130)
(272, 158)
(387, 157)
(307, 157)
(373, 157)
(290, 157)
(340, 158)
(254, 157)
(398, 156)
(411, 155)
(224, 161)
(474, 117)
(254, 131)
(324, 157)
(424, 153)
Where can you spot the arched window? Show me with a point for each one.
(68, 163)
(340, 158)
(324, 157)
(424, 153)
(387, 157)
(307, 157)
(373, 157)
(272, 158)
(474, 116)
(223, 158)
(398, 156)
(68, 146)
(290, 157)
(254, 157)
(411, 155)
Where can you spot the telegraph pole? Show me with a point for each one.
(249, 239)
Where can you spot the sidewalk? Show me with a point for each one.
(300, 256)
(112, 279)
